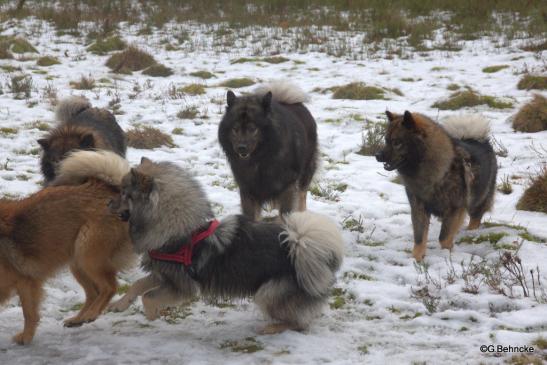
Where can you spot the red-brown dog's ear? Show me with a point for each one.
(408, 120)
(390, 116)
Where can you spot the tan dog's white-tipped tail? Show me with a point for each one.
(82, 165)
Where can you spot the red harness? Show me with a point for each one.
(184, 254)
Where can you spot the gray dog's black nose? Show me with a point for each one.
(241, 148)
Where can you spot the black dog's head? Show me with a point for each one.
(243, 127)
(60, 142)
(404, 139)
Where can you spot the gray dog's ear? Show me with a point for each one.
(267, 100)
(143, 182)
(230, 98)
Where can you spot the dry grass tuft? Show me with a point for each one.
(532, 117)
(47, 61)
(145, 137)
(85, 83)
(101, 47)
(131, 59)
(238, 82)
(528, 82)
(158, 70)
(534, 198)
(469, 98)
(358, 91)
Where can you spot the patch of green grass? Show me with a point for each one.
(122, 289)
(493, 69)
(351, 275)
(177, 131)
(358, 91)
(493, 238)
(203, 74)
(469, 98)
(408, 317)
(453, 87)
(40, 125)
(353, 225)
(528, 82)
(15, 45)
(175, 314)
(103, 46)
(47, 61)
(275, 59)
(248, 345)
(8, 130)
(158, 70)
(10, 68)
(363, 349)
(238, 82)
(337, 303)
(193, 89)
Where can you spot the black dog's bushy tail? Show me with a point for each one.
(316, 249)
(471, 126)
(283, 92)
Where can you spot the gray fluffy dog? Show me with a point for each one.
(288, 268)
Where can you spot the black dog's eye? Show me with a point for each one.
(235, 130)
(252, 129)
(397, 144)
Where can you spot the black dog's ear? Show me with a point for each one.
(87, 141)
(267, 100)
(44, 143)
(408, 120)
(390, 116)
(230, 98)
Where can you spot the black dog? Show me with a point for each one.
(270, 140)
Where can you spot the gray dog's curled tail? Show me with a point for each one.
(316, 250)
(103, 165)
(69, 107)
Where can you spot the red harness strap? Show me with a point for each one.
(184, 254)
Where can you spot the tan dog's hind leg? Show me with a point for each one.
(450, 227)
(138, 288)
(474, 223)
(30, 293)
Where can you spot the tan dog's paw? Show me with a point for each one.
(447, 244)
(22, 339)
(151, 310)
(418, 252)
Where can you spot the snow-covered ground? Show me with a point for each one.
(374, 316)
